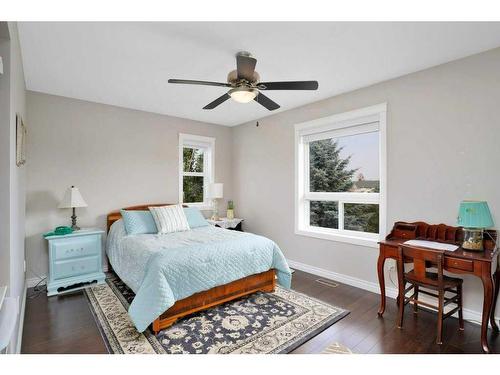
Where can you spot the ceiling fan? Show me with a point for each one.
(245, 85)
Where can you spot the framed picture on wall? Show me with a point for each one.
(20, 141)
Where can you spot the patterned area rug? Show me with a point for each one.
(260, 323)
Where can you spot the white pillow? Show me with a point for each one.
(169, 219)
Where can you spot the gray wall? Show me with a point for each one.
(12, 178)
(442, 147)
(17, 174)
(115, 156)
(5, 158)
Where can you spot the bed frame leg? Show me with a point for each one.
(270, 287)
(156, 326)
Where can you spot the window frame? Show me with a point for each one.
(208, 146)
(340, 125)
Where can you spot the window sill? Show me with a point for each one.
(355, 240)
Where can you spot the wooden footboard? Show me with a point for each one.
(264, 282)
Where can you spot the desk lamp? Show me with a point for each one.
(474, 217)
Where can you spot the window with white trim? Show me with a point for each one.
(196, 169)
(340, 176)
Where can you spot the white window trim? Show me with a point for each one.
(363, 119)
(208, 143)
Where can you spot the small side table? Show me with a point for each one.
(231, 224)
(74, 258)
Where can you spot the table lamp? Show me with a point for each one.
(215, 192)
(73, 199)
(474, 217)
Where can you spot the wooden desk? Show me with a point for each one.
(482, 264)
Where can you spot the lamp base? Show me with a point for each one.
(215, 211)
(473, 239)
(73, 221)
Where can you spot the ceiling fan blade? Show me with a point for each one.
(218, 101)
(245, 65)
(266, 102)
(204, 83)
(289, 85)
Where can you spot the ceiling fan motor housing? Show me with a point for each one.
(233, 79)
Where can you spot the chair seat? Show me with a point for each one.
(432, 280)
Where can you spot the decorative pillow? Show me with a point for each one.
(195, 218)
(138, 222)
(169, 219)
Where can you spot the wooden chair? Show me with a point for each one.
(419, 277)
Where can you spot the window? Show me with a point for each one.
(196, 168)
(340, 176)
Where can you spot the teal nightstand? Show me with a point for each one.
(74, 258)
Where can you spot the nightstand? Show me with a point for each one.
(74, 258)
(224, 222)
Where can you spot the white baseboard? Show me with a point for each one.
(21, 320)
(391, 292)
(349, 280)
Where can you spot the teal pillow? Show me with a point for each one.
(195, 218)
(138, 222)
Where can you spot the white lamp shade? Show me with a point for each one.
(72, 198)
(215, 191)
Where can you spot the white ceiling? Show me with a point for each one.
(128, 64)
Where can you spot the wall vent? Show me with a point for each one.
(327, 282)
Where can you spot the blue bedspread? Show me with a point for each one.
(204, 258)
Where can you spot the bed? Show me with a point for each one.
(177, 274)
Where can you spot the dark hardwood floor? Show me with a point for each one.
(64, 324)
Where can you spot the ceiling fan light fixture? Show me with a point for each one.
(243, 94)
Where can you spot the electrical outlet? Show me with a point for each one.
(24, 266)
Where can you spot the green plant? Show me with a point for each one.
(230, 205)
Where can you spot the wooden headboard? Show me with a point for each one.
(116, 215)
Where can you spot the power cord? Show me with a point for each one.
(392, 269)
(39, 288)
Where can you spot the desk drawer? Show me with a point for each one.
(76, 267)
(76, 247)
(460, 264)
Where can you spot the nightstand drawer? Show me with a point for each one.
(83, 247)
(76, 267)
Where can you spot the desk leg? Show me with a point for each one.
(496, 281)
(487, 302)
(381, 282)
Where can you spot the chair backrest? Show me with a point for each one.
(421, 258)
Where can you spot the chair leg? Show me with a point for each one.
(460, 313)
(401, 295)
(415, 303)
(401, 309)
(439, 339)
